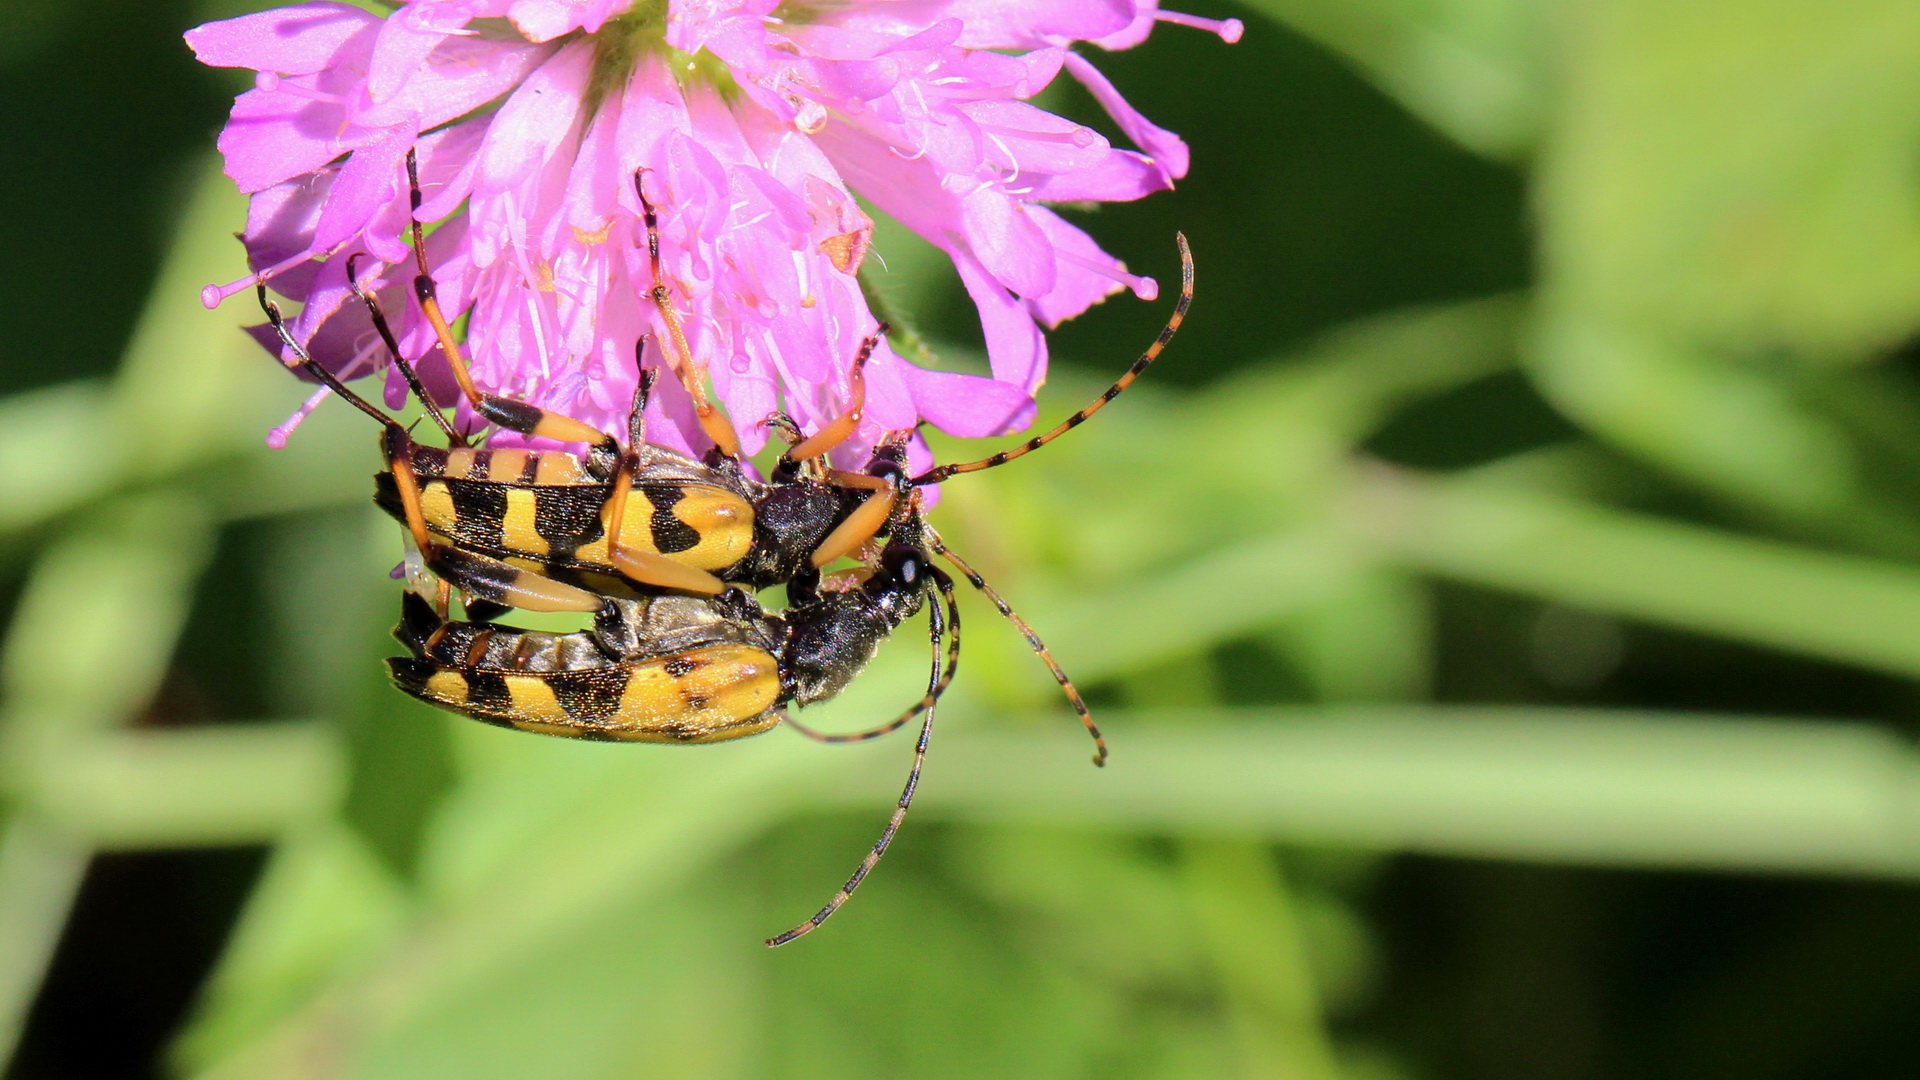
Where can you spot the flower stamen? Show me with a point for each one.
(1228, 29)
(277, 438)
(1143, 287)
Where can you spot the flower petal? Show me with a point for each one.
(298, 40)
(1161, 145)
(969, 406)
(1016, 349)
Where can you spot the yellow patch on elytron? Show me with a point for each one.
(519, 529)
(707, 528)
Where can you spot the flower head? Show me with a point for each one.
(752, 126)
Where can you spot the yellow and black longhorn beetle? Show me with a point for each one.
(675, 668)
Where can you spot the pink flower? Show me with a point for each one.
(752, 124)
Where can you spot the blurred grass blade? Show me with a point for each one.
(1731, 174)
(193, 788)
(323, 908)
(34, 428)
(194, 395)
(1157, 620)
(1727, 197)
(1565, 786)
(1846, 608)
(1703, 417)
(94, 631)
(1252, 931)
(191, 387)
(41, 868)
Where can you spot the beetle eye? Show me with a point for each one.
(903, 564)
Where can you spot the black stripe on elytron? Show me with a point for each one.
(559, 523)
(530, 469)
(487, 693)
(670, 534)
(566, 518)
(482, 464)
(427, 461)
(588, 697)
(479, 514)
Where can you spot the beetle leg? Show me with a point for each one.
(397, 444)
(842, 427)
(400, 362)
(520, 416)
(859, 526)
(505, 584)
(844, 478)
(645, 567)
(712, 421)
(642, 392)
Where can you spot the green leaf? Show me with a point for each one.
(1736, 430)
(201, 787)
(77, 658)
(41, 867)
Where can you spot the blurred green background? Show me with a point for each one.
(1503, 601)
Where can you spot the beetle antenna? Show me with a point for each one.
(1033, 642)
(313, 367)
(393, 351)
(941, 472)
(935, 626)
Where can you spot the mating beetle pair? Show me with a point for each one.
(664, 551)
